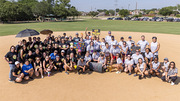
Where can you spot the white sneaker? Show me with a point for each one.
(118, 72)
(172, 83)
(42, 76)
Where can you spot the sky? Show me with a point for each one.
(86, 5)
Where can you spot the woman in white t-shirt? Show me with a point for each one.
(106, 52)
(124, 50)
(102, 60)
(119, 64)
(155, 66)
(148, 57)
(128, 64)
(90, 48)
(141, 68)
(114, 50)
(102, 44)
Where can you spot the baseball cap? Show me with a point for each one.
(122, 37)
(77, 33)
(109, 32)
(79, 50)
(64, 33)
(62, 51)
(17, 62)
(71, 46)
(82, 57)
(114, 43)
(57, 56)
(166, 59)
(130, 37)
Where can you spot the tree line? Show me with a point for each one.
(23, 10)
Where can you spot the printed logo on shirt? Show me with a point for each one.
(14, 57)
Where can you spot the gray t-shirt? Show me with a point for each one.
(172, 71)
(95, 56)
(81, 63)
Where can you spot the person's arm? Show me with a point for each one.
(158, 66)
(44, 64)
(146, 60)
(7, 60)
(40, 64)
(65, 62)
(151, 66)
(105, 62)
(21, 54)
(34, 65)
(126, 50)
(158, 47)
(86, 31)
(144, 68)
(13, 73)
(99, 59)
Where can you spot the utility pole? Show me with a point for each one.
(116, 4)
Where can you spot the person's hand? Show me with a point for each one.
(86, 28)
(152, 52)
(10, 62)
(26, 71)
(156, 71)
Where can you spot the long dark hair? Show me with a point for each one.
(13, 46)
(170, 65)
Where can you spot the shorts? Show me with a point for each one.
(157, 70)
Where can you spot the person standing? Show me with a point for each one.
(154, 46)
(108, 38)
(11, 58)
(143, 44)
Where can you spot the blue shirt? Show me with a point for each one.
(26, 68)
(53, 57)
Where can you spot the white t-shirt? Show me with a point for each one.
(129, 43)
(120, 43)
(90, 49)
(129, 62)
(106, 51)
(95, 56)
(142, 65)
(166, 65)
(143, 45)
(119, 61)
(87, 58)
(149, 55)
(115, 51)
(154, 47)
(135, 57)
(113, 42)
(87, 42)
(155, 65)
(124, 48)
(108, 38)
(103, 45)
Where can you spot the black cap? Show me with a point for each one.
(82, 57)
(122, 37)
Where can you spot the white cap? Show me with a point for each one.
(62, 51)
(71, 46)
(114, 43)
(17, 62)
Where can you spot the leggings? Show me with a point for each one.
(172, 78)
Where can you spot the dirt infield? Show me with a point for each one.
(95, 86)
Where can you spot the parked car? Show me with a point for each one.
(109, 18)
(146, 19)
(127, 18)
(119, 18)
(170, 19)
(160, 19)
(154, 19)
(177, 20)
(135, 19)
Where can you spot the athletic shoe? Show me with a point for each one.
(11, 81)
(42, 76)
(169, 80)
(172, 83)
(140, 77)
(118, 72)
(67, 73)
(129, 73)
(135, 75)
(31, 78)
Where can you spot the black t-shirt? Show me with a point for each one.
(71, 51)
(74, 60)
(12, 56)
(56, 63)
(56, 49)
(62, 58)
(18, 48)
(37, 55)
(30, 58)
(63, 45)
(76, 39)
(17, 71)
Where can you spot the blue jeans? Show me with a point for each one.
(12, 66)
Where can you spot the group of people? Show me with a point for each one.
(36, 57)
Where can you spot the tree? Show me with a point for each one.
(73, 12)
(165, 11)
(124, 12)
(107, 13)
(93, 14)
(151, 12)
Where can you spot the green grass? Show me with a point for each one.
(104, 25)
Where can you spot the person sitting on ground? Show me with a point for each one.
(68, 64)
(58, 64)
(81, 65)
(102, 60)
(148, 57)
(141, 68)
(17, 74)
(155, 67)
(119, 64)
(38, 67)
(171, 73)
(88, 58)
(73, 59)
(47, 65)
(165, 65)
(27, 69)
(95, 56)
(128, 64)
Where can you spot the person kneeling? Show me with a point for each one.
(119, 64)
(27, 69)
(155, 65)
(170, 73)
(68, 64)
(17, 74)
(38, 67)
(141, 67)
(81, 65)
